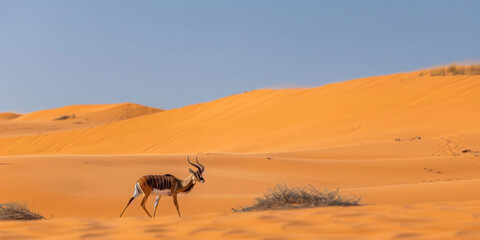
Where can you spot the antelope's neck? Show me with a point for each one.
(187, 182)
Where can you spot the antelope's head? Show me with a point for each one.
(197, 176)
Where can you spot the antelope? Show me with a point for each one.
(166, 185)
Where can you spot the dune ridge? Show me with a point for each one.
(68, 118)
(9, 116)
(93, 112)
(352, 112)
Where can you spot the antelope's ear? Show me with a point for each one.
(190, 170)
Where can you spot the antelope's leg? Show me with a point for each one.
(144, 200)
(176, 203)
(155, 205)
(135, 195)
(131, 199)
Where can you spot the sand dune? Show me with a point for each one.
(353, 112)
(68, 118)
(409, 145)
(95, 113)
(8, 116)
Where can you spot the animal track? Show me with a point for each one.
(408, 139)
(449, 146)
(432, 170)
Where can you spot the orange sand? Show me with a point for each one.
(398, 141)
(420, 221)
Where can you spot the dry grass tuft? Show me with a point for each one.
(282, 197)
(17, 211)
(63, 117)
(453, 70)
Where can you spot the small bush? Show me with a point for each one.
(17, 211)
(64, 117)
(282, 197)
(453, 70)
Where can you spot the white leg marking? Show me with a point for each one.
(137, 190)
(155, 205)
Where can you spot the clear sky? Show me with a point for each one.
(169, 54)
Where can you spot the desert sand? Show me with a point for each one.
(408, 144)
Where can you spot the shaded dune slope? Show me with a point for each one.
(8, 116)
(353, 112)
(68, 118)
(93, 112)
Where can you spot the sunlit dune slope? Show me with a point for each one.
(385, 108)
(8, 116)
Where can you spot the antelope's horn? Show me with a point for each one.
(203, 167)
(193, 164)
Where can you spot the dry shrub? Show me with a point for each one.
(63, 117)
(282, 197)
(17, 211)
(453, 70)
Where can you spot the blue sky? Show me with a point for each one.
(169, 54)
